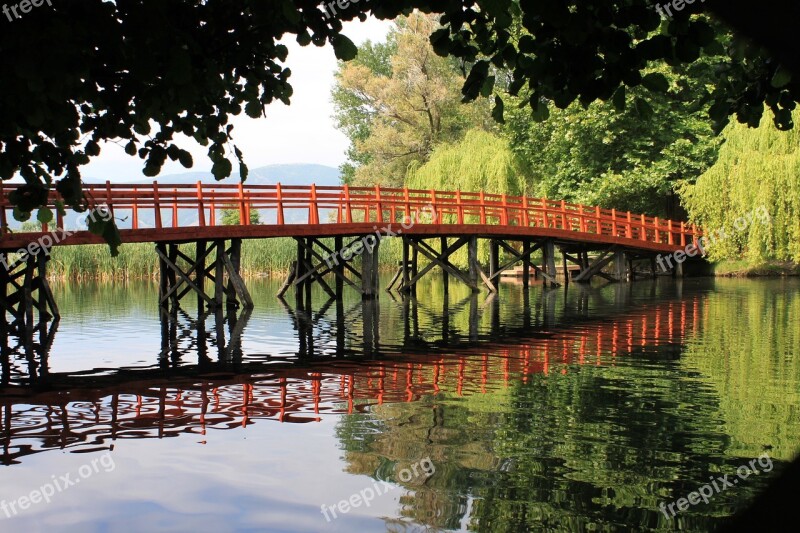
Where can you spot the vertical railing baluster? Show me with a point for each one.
(643, 229)
(348, 205)
(379, 206)
(279, 201)
(174, 208)
(599, 222)
(526, 220)
(109, 200)
(157, 205)
(658, 235)
(313, 208)
(201, 210)
(135, 209)
(628, 228)
(544, 213)
(613, 222)
(244, 220)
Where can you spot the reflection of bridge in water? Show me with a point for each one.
(225, 389)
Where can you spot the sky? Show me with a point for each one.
(300, 133)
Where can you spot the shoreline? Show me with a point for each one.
(742, 269)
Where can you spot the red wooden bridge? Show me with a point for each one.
(356, 218)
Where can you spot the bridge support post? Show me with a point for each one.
(176, 280)
(406, 272)
(445, 275)
(369, 270)
(677, 271)
(26, 289)
(494, 263)
(300, 271)
(201, 273)
(414, 268)
(621, 266)
(472, 261)
(338, 270)
(526, 264)
(549, 254)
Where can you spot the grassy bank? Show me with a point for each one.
(745, 269)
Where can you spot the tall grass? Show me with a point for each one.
(260, 257)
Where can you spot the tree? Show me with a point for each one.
(397, 116)
(751, 196)
(141, 73)
(482, 161)
(231, 217)
(626, 154)
(354, 112)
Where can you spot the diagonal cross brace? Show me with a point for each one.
(598, 264)
(437, 259)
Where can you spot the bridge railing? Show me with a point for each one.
(164, 205)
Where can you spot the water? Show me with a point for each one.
(575, 410)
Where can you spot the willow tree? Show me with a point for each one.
(757, 170)
(481, 161)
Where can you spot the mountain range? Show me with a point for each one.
(288, 174)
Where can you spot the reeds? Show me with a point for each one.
(260, 257)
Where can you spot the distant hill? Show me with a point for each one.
(292, 174)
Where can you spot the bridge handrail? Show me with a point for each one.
(366, 204)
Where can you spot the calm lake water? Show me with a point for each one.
(583, 409)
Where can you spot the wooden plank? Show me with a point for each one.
(238, 282)
(595, 267)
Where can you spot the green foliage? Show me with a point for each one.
(231, 217)
(398, 103)
(757, 169)
(481, 161)
(603, 156)
(353, 112)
